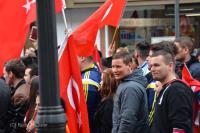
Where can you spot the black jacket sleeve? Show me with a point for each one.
(180, 102)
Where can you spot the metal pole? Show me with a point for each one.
(51, 117)
(177, 23)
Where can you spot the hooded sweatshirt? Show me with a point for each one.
(130, 112)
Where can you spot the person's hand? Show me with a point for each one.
(111, 49)
(30, 126)
(35, 44)
(65, 31)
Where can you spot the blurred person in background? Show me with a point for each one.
(91, 78)
(31, 112)
(4, 104)
(30, 52)
(30, 72)
(184, 50)
(14, 71)
(141, 53)
(198, 56)
(103, 115)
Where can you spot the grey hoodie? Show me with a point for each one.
(130, 112)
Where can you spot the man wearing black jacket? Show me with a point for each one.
(4, 103)
(173, 109)
(184, 47)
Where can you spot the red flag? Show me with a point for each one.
(85, 35)
(195, 86)
(31, 9)
(71, 90)
(97, 58)
(16, 15)
(13, 30)
(114, 13)
(187, 77)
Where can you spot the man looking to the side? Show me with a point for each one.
(14, 71)
(173, 109)
(130, 112)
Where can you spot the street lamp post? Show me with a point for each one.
(177, 23)
(51, 117)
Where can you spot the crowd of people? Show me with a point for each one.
(138, 90)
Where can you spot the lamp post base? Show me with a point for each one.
(51, 120)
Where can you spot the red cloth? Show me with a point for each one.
(84, 36)
(187, 77)
(114, 13)
(71, 90)
(97, 58)
(176, 130)
(16, 16)
(13, 30)
(195, 85)
(31, 15)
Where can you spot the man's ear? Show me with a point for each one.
(186, 50)
(137, 54)
(10, 75)
(130, 64)
(171, 66)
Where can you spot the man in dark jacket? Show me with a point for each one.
(130, 112)
(173, 109)
(14, 71)
(91, 78)
(184, 47)
(4, 103)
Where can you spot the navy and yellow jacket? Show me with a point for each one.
(91, 78)
(151, 95)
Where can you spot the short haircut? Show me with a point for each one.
(121, 49)
(34, 70)
(143, 49)
(29, 60)
(125, 56)
(167, 46)
(185, 42)
(15, 66)
(168, 57)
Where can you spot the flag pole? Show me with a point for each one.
(63, 13)
(64, 18)
(116, 28)
(113, 38)
(64, 43)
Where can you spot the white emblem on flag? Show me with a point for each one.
(72, 84)
(107, 12)
(28, 5)
(79, 119)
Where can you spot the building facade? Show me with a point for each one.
(150, 20)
